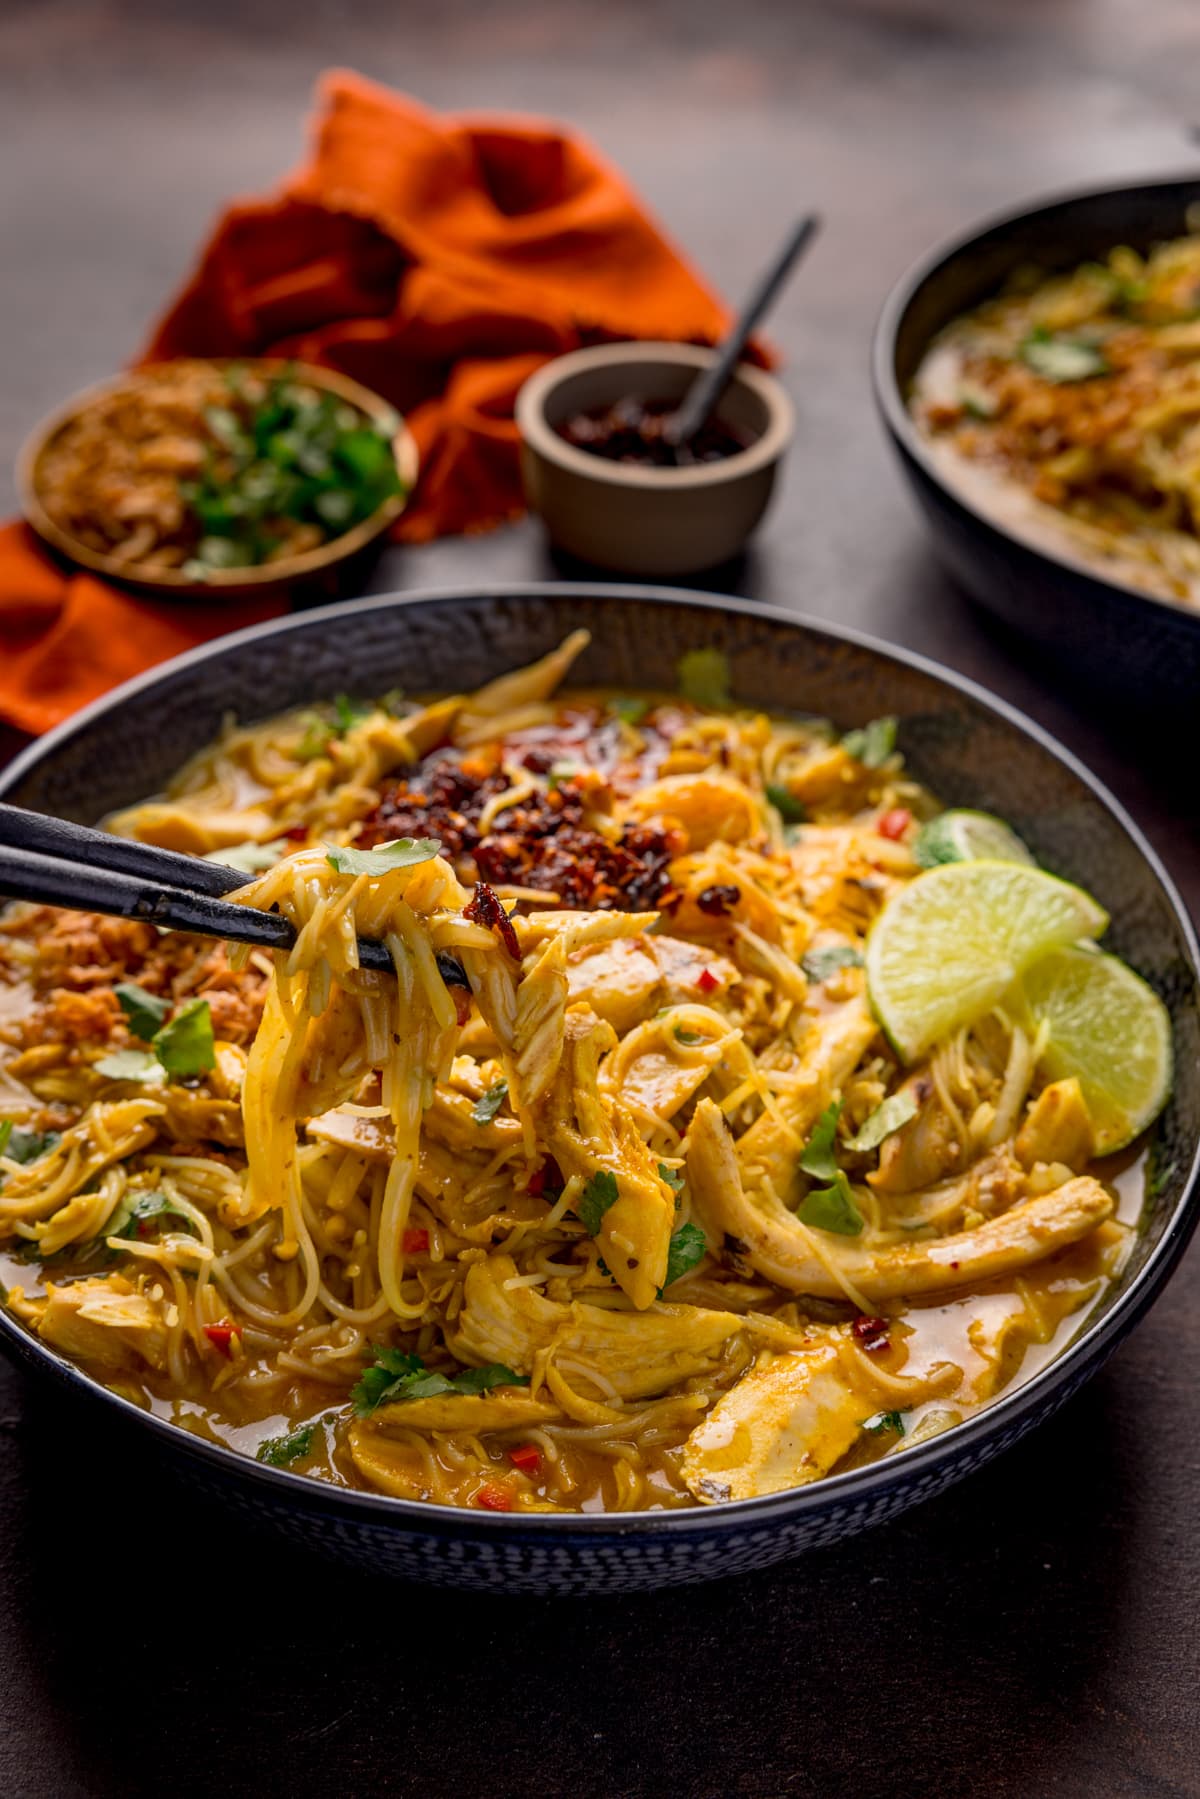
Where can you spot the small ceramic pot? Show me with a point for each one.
(648, 521)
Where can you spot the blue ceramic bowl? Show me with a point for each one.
(1131, 644)
(969, 748)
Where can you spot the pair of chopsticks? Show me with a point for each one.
(53, 863)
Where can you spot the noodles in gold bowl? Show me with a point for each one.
(615, 1196)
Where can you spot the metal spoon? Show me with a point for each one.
(702, 396)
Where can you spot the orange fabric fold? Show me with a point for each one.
(437, 260)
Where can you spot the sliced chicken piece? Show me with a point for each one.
(539, 1028)
(374, 1138)
(627, 980)
(788, 1421)
(193, 832)
(711, 807)
(659, 1083)
(434, 723)
(621, 981)
(450, 1120)
(392, 1467)
(774, 1241)
(638, 1354)
(1058, 1127)
(927, 1149)
(105, 1322)
(591, 1133)
(579, 929)
(504, 1408)
(837, 1040)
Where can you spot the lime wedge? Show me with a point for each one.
(960, 836)
(946, 948)
(1111, 1031)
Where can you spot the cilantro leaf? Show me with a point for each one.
(25, 1146)
(893, 1421)
(144, 1012)
(281, 1452)
(129, 1065)
(703, 677)
(873, 744)
(185, 1046)
(348, 713)
(884, 1121)
(395, 1376)
(786, 804)
(600, 1192)
(817, 1157)
(689, 1038)
(402, 852)
(688, 1247)
(674, 1177)
(832, 1209)
(486, 1107)
(629, 710)
(136, 1209)
(318, 736)
(819, 964)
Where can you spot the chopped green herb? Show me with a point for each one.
(689, 1039)
(832, 1208)
(136, 1209)
(817, 1157)
(977, 403)
(819, 964)
(26, 1146)
(1060, 359)
(348, 713)
(6, 1128)
(873, 744)
(703, 677)
(489, 1103)
(129, 1065)
(394, 703)
(281, 1452)
(251, 858)
(145, 1013)
(893, 1421)
(884, 1121)
(600, 1192)
(1159, 1170)
(786, 804)
(629, 710)
(395, 1376)
(317, 738)
(402, 852)
(563, 771)
(687, 1248)
(674, 1177)
(185, 1046)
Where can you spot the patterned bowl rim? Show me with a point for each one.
(1004, 1418)
(899, 421)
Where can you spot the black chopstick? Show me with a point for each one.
(53, 863)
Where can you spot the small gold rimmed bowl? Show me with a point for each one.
(318, 566)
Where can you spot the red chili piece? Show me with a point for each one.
(716, 901)
(545, 1179)
(528, 1458)
(416, 1241)
(871, 1333)
(485, 909)
(708, 982)
(221, 1336)
(494, 1497)
(893, 824)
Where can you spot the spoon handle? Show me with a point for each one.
(707, 389)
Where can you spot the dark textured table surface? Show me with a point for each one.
(1033, 1632)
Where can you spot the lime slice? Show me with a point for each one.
(960, 836)
(1111, 1031)
(947, 946)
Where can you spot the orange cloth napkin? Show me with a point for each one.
(437, 260)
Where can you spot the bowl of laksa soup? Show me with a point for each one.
(782, 1089)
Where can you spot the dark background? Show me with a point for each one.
(1033, 1632)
